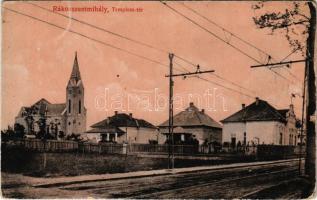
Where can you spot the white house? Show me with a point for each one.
(192, 123)
(122, 128)
(260, 123)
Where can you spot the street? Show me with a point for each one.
(241, 182)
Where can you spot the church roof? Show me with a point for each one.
(43, 106)
(75, 78)
(192, 116)
(75, 72)
(259, 110)
(56, 109)
(123, 120)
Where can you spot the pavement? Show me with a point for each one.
(61, 181)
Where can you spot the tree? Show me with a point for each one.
(19, 130)
(28, 114)
(294, 24)
(61, 134)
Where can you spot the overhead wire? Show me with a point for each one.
(226, 42)
(88, 37)
(132, 40)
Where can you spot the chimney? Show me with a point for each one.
(115, 112)
(191, 104)
(202, 111)
(243, 106)
(130, 114)
(257, 100)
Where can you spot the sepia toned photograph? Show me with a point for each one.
(158, 99)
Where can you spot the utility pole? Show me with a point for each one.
(171, 110)
(282, 64)
(170, 116)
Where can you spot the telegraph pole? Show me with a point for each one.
(281, 64)
(170, 116)
(171, 110)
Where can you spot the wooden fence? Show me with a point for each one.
(47, 146)
(262, 151)
(105, 148)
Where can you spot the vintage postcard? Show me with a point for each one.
(158, 99)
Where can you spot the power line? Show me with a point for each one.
(106, 44)
(234, 35)
(100, 28)
(132, 40)
(88, 37)
(214, 23)
(109, 32)
(222, 78)
(208, 31)
(218, 37)
(228, 88)
(112, 46)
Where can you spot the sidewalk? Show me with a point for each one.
(60, 181)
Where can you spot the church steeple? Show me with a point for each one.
(75, 75)
(75, 107)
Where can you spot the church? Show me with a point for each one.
(61, 119)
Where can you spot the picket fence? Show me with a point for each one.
(107, 148)
(110, 148)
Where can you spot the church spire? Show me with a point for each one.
(75, 72)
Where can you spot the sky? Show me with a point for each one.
(37, 59)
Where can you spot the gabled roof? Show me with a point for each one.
(123, 120)
(192, 116)
(43, 106)
(283, 112)
(41, 101)
(259, 110)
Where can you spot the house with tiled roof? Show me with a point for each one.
(260, 123)
(62, 119)
(193, 123)
(122, 128)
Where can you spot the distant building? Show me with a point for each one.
(63, 118)
(261, 123)
(193, 123)
(121, 128)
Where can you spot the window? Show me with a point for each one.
(281, 138)
(69, 106)
(290, 139)
(244, 138)
(79, 107)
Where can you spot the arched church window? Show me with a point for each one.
(79, 107)
(69, 106)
